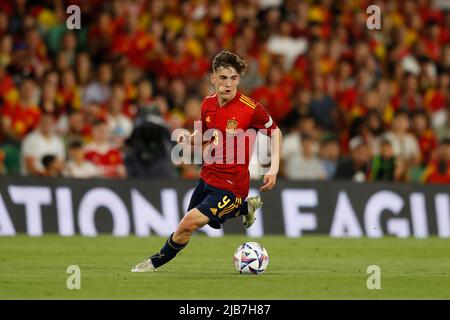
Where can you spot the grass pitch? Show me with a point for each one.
(310, 267)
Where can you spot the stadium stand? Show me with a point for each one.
(377, 97)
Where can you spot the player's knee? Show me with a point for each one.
(187, 226)
(192, 221)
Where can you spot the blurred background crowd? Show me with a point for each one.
(353, 103)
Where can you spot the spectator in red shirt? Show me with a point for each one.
(7, 87)
(83, 70)
(420, 125)
(273, 94)
(129, 79)
(106, 158)
(18, 119)
(37, 51)
(49, 101)
(6, 46)
(178, 64)
(438, 170)
(4, 18)
(101, 35)
(68, 94)
(74, 127)
(436, 98)
(133, 42)
(408, 98)
(431, 41)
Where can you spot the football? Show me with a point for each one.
(251, 258)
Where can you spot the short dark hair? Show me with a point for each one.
(420, 112)
(445, 141)
(76, 144)
(328, 138)
(99, 121)
(401, 113)
(306, 137)
(47, 113)
(226, 59)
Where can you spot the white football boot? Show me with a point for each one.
(144, 266)
(253, 204)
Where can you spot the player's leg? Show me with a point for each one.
(177, 241)
(190, 223)
(248, 210)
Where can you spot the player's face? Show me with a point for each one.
(225, 81)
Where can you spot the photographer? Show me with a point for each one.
(148, 148)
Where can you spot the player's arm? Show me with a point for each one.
(262, 121)
(195, 138)
(270, 177)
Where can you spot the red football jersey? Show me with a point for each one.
(228, 126)
(107, 160)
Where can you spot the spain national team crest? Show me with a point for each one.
(231, 126)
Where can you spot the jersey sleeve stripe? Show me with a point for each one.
(253, 106)
(269, 123)
(247, 99)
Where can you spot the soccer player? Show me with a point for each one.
(224, 185)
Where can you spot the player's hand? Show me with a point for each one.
(184, 137)
(268, 182)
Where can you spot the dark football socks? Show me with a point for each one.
(243, 209)
(167, 253)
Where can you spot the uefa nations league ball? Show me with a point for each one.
(251, 258)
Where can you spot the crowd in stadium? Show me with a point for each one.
(353, 103)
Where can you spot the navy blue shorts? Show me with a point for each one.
(217, 204)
